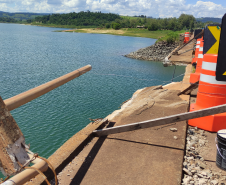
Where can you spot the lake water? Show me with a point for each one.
(32, 55)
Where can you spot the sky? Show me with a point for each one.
(153, 8)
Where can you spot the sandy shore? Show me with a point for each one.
(96, 30)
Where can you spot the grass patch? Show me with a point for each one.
(139, 32)
(171, 36)
(135, 32)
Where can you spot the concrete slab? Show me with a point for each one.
(148, 156)
(185, 97)
(184, 55)
(122, 162)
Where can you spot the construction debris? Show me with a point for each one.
(196, 170)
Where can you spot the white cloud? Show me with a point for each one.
(27, 2)
(108, 1)
(154, 8)
(3, 6)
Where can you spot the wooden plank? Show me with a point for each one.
(161, 121)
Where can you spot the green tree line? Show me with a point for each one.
(78, 19)
(7, 20)
(20, 16)
(175, 24)
(110, 20)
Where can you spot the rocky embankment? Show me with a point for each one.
(156, 52)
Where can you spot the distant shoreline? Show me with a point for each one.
(131, 32)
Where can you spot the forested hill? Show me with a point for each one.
(19, 16)
(79, 19)
(209, 19)
(107, 20)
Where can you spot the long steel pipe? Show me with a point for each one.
(25, 97)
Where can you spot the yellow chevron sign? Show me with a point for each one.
(216, 31)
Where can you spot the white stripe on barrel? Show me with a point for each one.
(210, 79)
(209, 66)
(200, 55)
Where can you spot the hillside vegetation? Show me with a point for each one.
(98, 22)
(209, 19)
(18, 17)
(109, 20)
(98, 19)
(140, 26)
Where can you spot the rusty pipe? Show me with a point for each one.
(27, 96)
(27, 174)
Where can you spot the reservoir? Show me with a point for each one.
(33, 55)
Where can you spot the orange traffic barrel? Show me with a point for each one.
(210, 93)
(194, 77)
(197, 50)
(186, 37)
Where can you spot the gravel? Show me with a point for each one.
(195, 168)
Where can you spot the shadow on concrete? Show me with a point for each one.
(77, 179)
(145, 143)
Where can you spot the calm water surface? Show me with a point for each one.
(32, 55)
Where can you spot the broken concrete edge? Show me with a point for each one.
(190, 88)
(71, 148)
(127, 103)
